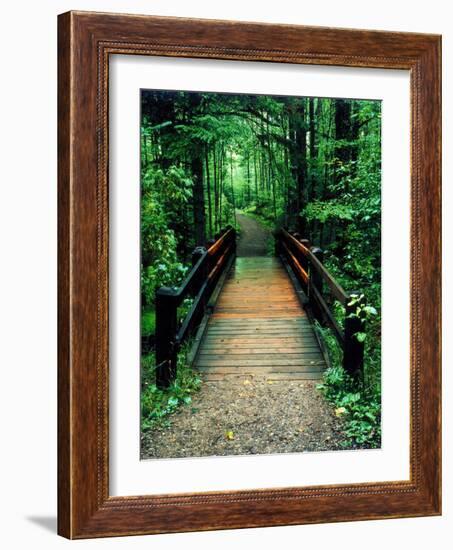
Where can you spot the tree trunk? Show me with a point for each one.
(232, 187)
(248, 179)
(345, 133)
(220, 175)
(208, 190)
(198, 200)
(216, 189)
(255, 172)
(298, 160)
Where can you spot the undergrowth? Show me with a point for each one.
(158, 404)
(357, 403)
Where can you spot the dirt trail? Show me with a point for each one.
(254, 237)
(243, 416)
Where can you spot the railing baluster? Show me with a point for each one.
(315, 276)
(315, 280)
(305, 242)
(205, 267)
(320, 282)
(166, 327)
(197, 254)
(199, 283)
(304, 260)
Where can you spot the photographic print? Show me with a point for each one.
(260, 274)
(243, 236)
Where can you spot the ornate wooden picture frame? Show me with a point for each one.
(85, 507)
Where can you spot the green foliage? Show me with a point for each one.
(327, 210)
(310, 164)
(362, 312)
(148, 321)
(156, 404)
(357, 404)
(260, 212)
(369, 311)
(163, 195)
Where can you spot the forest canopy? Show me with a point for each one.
(310, 164)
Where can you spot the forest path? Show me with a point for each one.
(259, 362)
(259, 328)
(243, 417)
(254, 237)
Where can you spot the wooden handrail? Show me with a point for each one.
(334, 286)
(199, 284)
(192, 280)
(225, 235)
(306, 264)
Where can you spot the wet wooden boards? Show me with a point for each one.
(259, 328)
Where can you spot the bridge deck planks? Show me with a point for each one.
(259, 328)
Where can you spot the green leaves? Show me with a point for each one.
(156, 404)
(355, 299)
(164, 196)
(285, 160)
(362, 312)
(358, 405)
(172, 402)
(361, 410)
(324, 211)
(369, 310)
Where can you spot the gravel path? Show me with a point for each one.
(243, 416)
(248, 415)
(254, 237)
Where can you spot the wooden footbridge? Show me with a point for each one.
(253, 316)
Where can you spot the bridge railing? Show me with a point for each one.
(208, 265)
(306, 263)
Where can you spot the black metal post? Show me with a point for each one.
(205, 268)
(166, 327)
(303, 259)
(197, 254)
(315, 281)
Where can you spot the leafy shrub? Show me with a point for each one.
(157, 404)
(359, 405)
(148, 322)
(163, 194)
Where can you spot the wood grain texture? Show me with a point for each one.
(85, 42)
(64, 310)
(270, 319)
